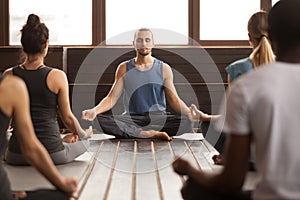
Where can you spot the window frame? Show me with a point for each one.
(99, 24)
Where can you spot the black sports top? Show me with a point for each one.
(43, 109)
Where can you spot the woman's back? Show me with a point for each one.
(43, 109)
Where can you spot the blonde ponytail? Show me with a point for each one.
(263, 53)
(258, 32)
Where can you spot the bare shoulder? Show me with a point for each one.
(166, 66)
(15, 92)
(167, 71)
(57, 80)
(14, 81)
(9, 71)
(14, 85)
(57, 74)
(121, 70)
(122, 67)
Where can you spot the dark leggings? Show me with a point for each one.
(45, 194)
(129, 126)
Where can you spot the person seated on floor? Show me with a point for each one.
(262, 53)
(49, 95)
(14, 103)
(262, 108)
(147, 83)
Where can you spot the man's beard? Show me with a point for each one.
(144, 53)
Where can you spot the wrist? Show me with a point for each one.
(204, 117)
(59, 182)
(94, 110)
(82, 134)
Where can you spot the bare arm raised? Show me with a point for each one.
(199, 115)
(177, 104)
(171, 94)
(58, 83)
(111, 99)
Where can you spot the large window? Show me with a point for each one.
(69, 21)
(168, 20)
(113, 22)
(226, 19)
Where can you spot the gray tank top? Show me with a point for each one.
(5, 191)
(144, 90)
(43, 110)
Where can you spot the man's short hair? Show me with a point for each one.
(143, 29)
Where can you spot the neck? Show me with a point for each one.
(289, 55)
(144, 59)
(144, 62)
(32, 63)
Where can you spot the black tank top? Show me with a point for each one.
(43, 109)
(5, 191)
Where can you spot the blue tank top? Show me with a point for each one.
(144, 90)
(239, 68)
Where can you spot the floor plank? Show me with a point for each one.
(146, 184)
(124, 169)
(98, 182)
(171, 183)
(121, 185)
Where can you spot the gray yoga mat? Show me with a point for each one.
(28, 178)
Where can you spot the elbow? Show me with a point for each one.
(69, 121)
(175, 105)
(29, 151)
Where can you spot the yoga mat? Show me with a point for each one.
(101, 136)
(190, 136)
(28, 178)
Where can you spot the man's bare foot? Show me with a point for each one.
(152, 134)
(218, 159)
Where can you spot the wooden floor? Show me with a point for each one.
(140, 169)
